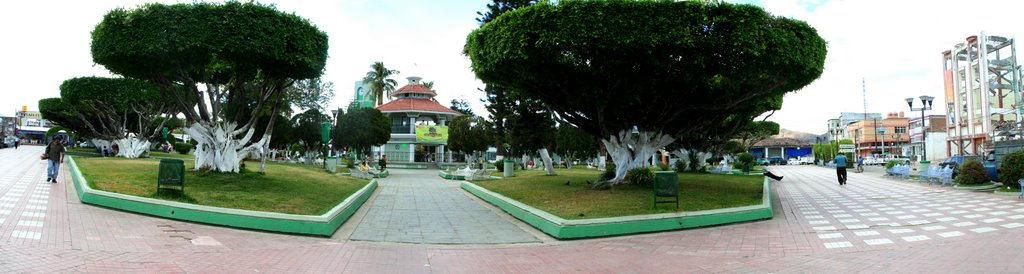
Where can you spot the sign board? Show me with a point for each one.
(844, 146)
(846, 150)
(431, 134)
(325, 132)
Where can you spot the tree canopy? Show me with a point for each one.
(468, 134)
(108, 108)
(686, 68)
(252, 49)
(245, 54)
(462, 106)
(362, 128)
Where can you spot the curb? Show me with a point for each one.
(321, 225)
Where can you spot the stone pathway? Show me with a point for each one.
(417, 206)
(67, 236)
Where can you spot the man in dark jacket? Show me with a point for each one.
(55, 154)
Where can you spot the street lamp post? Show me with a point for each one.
(926, 104)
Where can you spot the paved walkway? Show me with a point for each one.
(417, 206)
(46, 229)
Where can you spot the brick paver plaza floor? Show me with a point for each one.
(872, 225)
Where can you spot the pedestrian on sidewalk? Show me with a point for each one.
(55, 155)
(841, 168)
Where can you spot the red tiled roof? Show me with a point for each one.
(420, 88)
(415, 104)
(414, 88)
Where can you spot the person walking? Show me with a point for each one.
(383, 163)
(841, 168)
(55, 155)
(16, 143)
(860, 164)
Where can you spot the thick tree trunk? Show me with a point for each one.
(218, 149)
(629, 151)
(685, 156)
(100, 144)
(131, 147)
(548, 167)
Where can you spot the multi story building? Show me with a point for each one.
(927, 138)
(982, 86)
(880, 136)
(837, 127)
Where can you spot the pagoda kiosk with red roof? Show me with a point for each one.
(419, 131)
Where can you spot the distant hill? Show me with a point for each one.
(802, 136)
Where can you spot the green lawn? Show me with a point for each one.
(286, 188)
(579, 201)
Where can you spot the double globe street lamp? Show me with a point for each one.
(926, 104)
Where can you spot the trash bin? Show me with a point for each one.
(332, 163)
(666, 185)
(508, 168)
(171, 173)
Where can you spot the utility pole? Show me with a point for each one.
(864, 93)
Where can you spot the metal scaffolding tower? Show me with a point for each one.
(982, 81)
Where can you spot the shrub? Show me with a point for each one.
(609, 172)
(1012, 169)
(737, 166)
(501, 165)
(193, 142)
(972, 172)
(183, 148)
(892, 163)
(746, 161)
(663, 167)
(640, 176)
(679, 166)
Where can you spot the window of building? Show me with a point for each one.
(901, 129)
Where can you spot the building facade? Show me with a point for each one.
(982, 91)
(876, 137)
(785, 148)
(927, 138)
(419, 125)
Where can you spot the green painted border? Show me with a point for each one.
(322, 225)
(990, 186)
(570, 229)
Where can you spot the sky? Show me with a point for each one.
(894, 46)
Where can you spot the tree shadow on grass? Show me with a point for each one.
(173, 195)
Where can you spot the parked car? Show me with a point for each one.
(9, 141)
(957, 160)
(776, 160)
(761, 162)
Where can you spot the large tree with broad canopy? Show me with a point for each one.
(220, 64)
(122, 111)
(666, 68)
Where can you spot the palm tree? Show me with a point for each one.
(380, 81)
(429, 85)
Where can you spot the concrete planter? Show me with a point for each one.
(322, 225)
(570, 229)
